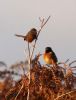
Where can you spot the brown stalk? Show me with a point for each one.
(30, 56)
(29, 66)
(64, 94)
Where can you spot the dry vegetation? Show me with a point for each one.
(46, 83)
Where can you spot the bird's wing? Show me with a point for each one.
(54, 57)
(19, 35)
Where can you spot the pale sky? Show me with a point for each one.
(18, 16)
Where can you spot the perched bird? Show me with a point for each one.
(49, 56)
(30, 36)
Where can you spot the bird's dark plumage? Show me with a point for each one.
(50, 56)
(30, 36)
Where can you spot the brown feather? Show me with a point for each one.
(19, 35)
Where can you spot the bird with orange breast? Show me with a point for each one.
(50, 57)
(30, 36)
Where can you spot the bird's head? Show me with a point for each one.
(48, 49)
(34, 30)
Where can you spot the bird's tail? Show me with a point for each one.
(19, 35)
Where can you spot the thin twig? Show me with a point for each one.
(72, 62)
(67, 60)
(23, 69)
(38, 35)
(29, 61)
(29, 50)
(64, 94)
(29, 65)
(19, 92)
(73, 67)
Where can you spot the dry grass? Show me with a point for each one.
(43, 84)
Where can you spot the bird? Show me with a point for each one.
(30, 36)
(49, 56)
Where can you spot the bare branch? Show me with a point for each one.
(64, 94)
(72, 62)
(19, 92)
(43, 24)
(29, 66)
(67, 60)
